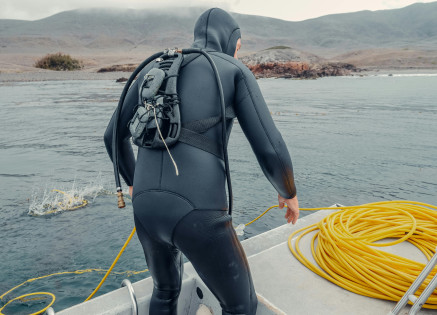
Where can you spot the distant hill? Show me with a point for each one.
(280, 54)
(103, 30)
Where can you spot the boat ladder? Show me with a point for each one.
(409, 295)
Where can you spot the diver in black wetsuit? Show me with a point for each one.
(187, 213)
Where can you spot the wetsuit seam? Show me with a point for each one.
(228, 60)
(183, 217)
(239, 69)
(247, 90)
(176, 226)
(188, 62)
(144, 230)
(164, 191)
(287, 184)
(230, 37)
(206, 29)
(243, 77)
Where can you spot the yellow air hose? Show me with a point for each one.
(73, 203)
(71, 272)
(113, 264)
(343, 245)
(344, 249)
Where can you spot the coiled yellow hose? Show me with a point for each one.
(343, 245)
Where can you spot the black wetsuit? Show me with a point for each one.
(187, 213)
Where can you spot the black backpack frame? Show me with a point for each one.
(164, 128)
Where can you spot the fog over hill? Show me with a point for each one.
(103, 31)
(415, 25)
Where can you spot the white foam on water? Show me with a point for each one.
(54, 199)
(409, 75)
(240, 229)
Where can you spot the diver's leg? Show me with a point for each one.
(209, 241)
(166, 267)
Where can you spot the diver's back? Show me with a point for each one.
(201, 177)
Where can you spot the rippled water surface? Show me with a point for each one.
(352, 140)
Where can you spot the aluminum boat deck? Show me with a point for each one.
(282, 283)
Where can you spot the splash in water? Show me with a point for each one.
(53, 200)
(240, 229)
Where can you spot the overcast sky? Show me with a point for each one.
(292, 10)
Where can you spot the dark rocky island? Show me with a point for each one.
(130, 67)
(286, 62)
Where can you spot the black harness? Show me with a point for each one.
(156, 123)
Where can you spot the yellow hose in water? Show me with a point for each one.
(52, 296)
(345, 249)
(113, 265)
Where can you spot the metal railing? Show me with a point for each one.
(409, 295)
(128, 284)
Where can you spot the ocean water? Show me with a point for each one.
(353, 140)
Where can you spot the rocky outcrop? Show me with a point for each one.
(279, 69)
(130, 67)
(285, 62)
(290, 70)
(121, 80)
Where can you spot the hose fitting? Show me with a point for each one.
(121, 203)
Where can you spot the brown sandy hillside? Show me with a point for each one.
(391, 58)
(117, 36)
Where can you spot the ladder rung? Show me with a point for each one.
(412, 298)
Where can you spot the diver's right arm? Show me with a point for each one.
(266, 142)
(264, 138)
(126, 158)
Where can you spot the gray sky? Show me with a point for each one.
(293, 10)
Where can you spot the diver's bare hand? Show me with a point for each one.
(292, 213)
(131, 189)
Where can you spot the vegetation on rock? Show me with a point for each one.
(58, 62)
(301, 70)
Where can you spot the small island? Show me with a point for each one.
(286, 62)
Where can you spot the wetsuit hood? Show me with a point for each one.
(216, 30)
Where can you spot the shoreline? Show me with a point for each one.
(31, 76)
(47, 75)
